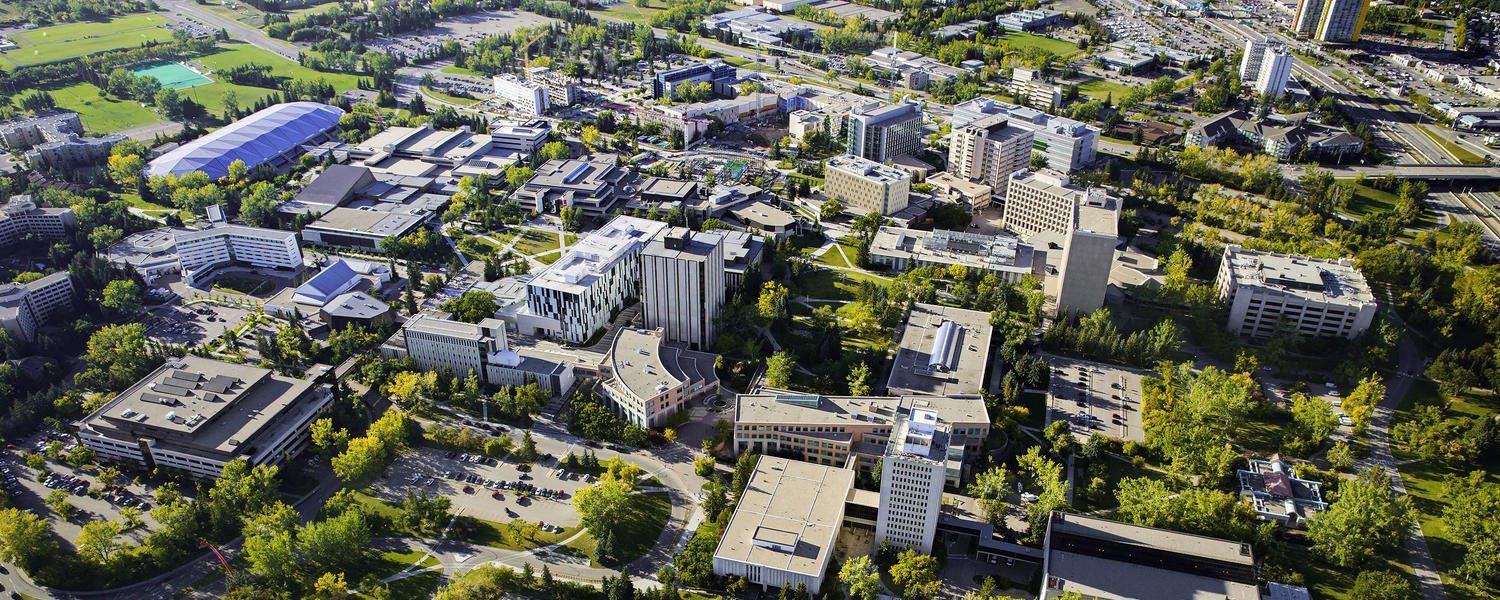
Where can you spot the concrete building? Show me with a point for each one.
(576, 296)
(1110, 560)
(1088, 254)
(1317, 298)
(1278, 495)
(989, 150)
(525, 96)
(683, 285)
(561, 88)
(56, 140)
(593, 187)
(151, 253)
(390, 150)
(765, 219)
(1029, 20)
(943, 351)
(785, 526)
(883, 133)
(21, 217)
(849, 431)
(1039, 94)
(1335, 21)
(25, 307)
(757, 29)
(356, 308)
(482, 349)
(718, 74)
(646, 381)
(1005, 256)
(1267, 65)
(742, 254)
(200, 252)
(864, 186)
(195, 414)
(1068, 145)
(1045, 200)
(274, 136)
(911, 480)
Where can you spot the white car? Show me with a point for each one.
(1345, 421)
(1029, 497)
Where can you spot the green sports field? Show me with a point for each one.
(61, 42)
(102, 115)
(232, 54)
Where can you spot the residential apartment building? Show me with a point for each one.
(576, 296)
(911, 480)
(849, 431)
(683, 285)
(25, 307)
(719, 74)
(21, 216)
(1003, 255)
(864, 186)
(526, 96)
(200, 251)
(195, 414)
(482, 349)
(561, 88)
(884, 133)
(1336, 21)
(1068, 145)
(989, 150)
(646, 381)
(1266, 65)
(1316, 298)
(593, 187)
(57, 140)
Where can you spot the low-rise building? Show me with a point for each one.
(1038, 92)
(561, 88)
(1314, 297)
(755, 28)
(957, 190)
(1004, 256)
(482, 349)
(151, 254)
(742, 254)
(943, 351)
(25, 307)
(865, 186)
(1278, 495)
(768, 220)
(1236, 127)
(645, 380)
(595, 187)
(1029, 20)
(356, 308)
(1111, 560)
(56, 140)
(785, 526)
(195, 414)
(718, 74)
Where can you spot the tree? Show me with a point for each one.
(472, 307)
(24, 538)
(331, 586)
(422, 514)
(991, 490)
(362, 460)
(1382, 585)
(528, 452)
(914, 570)
(1341, 456)
(1314, 418)
(340, 543)
(859, 380)
(859, 577)
(123, 296)
(779, 369)
(602, 507)
(831, 209)
(97, 541)
(1044, 477)
(126, 170)
(1038, 161)
(772, 302)
(1364, 519)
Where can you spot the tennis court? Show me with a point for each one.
(171, 75)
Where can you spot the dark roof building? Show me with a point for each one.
(1110, 560)
(356, 308)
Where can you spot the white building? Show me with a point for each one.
(483, 349)
(526, 96)
(195, 414)
(574, 297)
(199, 251)
(786, 524)
(1317, 298)
(1267, 65)
(646, 381)
(24, 307)
(865, 186)
(1004, 255)
(1039, 94)
(20, 216)
(911, 481)
(989, 150)
(683, 285)
(1068, 145)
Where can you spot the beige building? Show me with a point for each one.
(989, 150)
(865, 186)
(1088, 254)
(1003, 255)
(1039, 94)
(1318, 298)
(1045, 200)
(786, 525)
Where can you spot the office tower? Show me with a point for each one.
(683, 285)
(1083, 276)
(883, 133)
(1266, 65)
(1337, 21)
(1068, 145)
(526, 96)
(911, 480)
(989, 150)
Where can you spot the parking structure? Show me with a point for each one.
(1095, 397)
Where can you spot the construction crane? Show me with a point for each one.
(526, 50)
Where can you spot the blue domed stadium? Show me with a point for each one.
(272, 136)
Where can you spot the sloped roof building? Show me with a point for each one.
(270, 136)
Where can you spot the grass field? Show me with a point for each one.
(828, 284)
(233, 54)
(627, 11)
(833, 258)
(102, 115)
(416, 587)
(456, 70)
(1459, 152)
(449, 98)
(1368, 200)
(1028, 40)
(1102, 88)
(61, 42)
(534, 242)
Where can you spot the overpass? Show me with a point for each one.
(1411, 171)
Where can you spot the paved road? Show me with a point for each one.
(236, 30)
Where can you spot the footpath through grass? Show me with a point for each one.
(636, 536)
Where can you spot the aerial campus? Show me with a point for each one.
(750, 299)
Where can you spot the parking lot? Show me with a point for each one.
(486, 497)
(1095, 398)
(466, 30)
(83, 491)
(192, 324)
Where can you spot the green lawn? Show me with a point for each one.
(102, 115)
(456, 70)
(636, 536)
(534, 242)
(628, 11)
(243, 14)
(1459, 153)
(512, 536)
(449, 98)
(416, 587)
(548, 258)
(833, 258)
(233, 54)
(61, 42)
(1103, 88)
(1368, 200)
(1027, 40)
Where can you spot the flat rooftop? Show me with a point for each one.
(646, 366)
(1110, 560)
(943, 352)
(681, 243)
(997, 253)
(812, 409)
(866, 168)
(596, 254)
(1310, 278)
(789, 516)
(764, 214)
